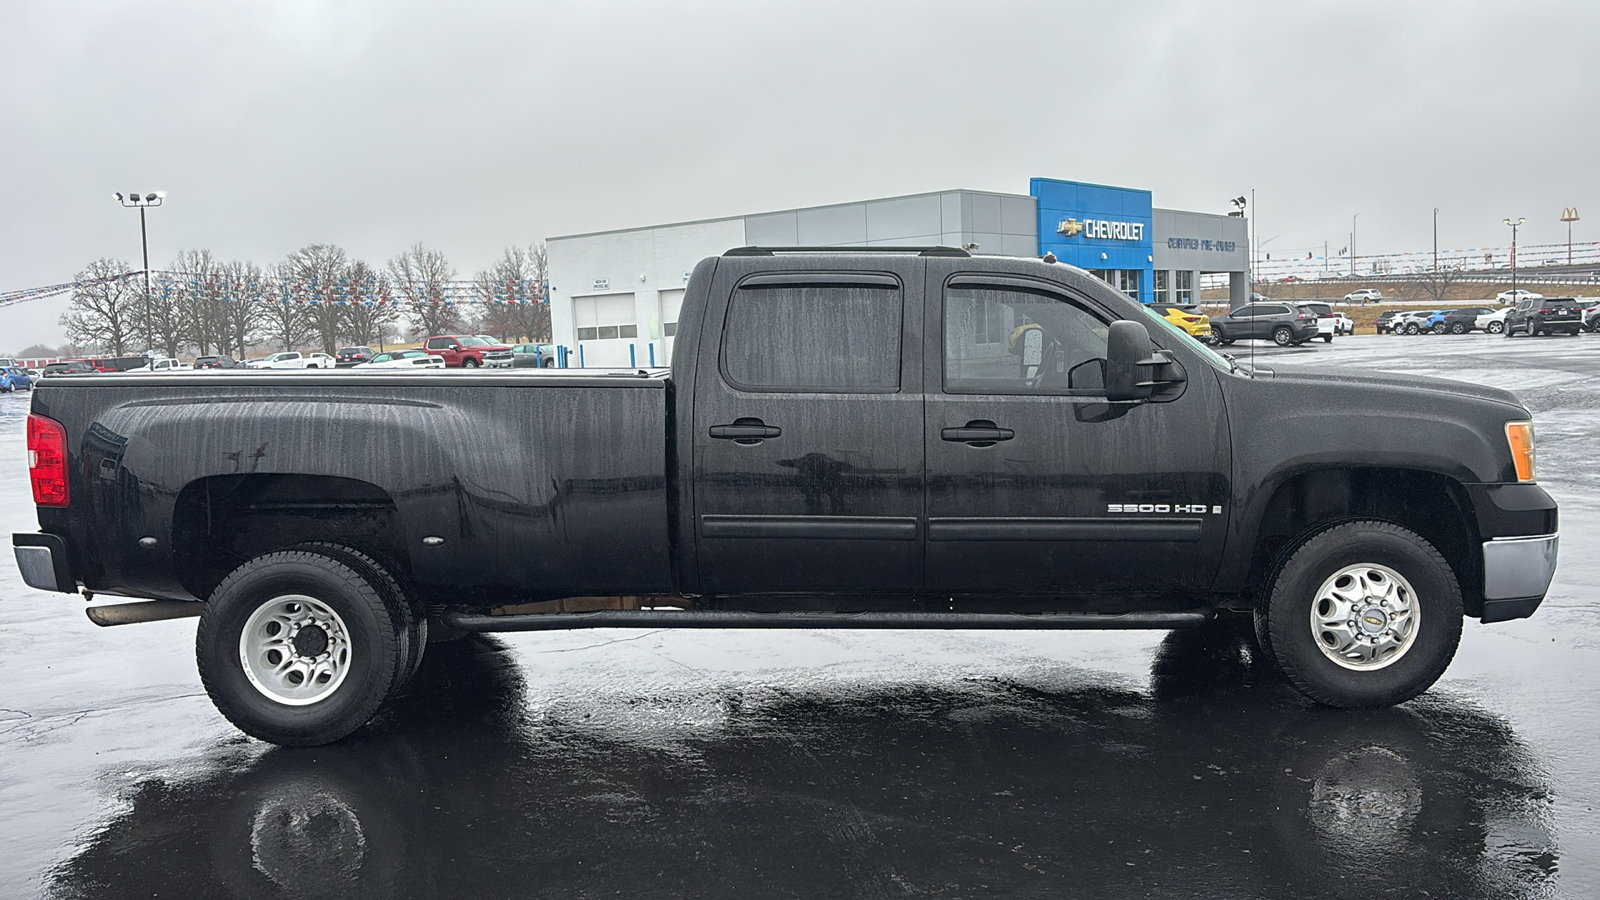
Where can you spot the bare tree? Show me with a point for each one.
(372, 312)
(283, 322)
(249, 292)
(513, 295)
(201, 285)
(421, 278)
(166, 316)
(1437, 283)
(104, 310)
(320, 276)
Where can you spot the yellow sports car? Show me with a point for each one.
(1189, 318)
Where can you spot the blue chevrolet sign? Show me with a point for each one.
(1094, 226)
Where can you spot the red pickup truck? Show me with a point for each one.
(461, 351)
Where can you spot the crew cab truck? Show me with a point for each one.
(916, 438)
(461, 351)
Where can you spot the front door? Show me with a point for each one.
(808, 431)
(1037, 484)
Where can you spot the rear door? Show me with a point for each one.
(807, 438)
(1036, 484)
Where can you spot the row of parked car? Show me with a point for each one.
(1529, 314)
(437, 352)
(1283, 322)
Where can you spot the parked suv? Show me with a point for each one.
(1329, 323)
(1282, 323)
(1541, 316)
(1461, 321)
(461, 351)
(352, 356)
(1385, 321)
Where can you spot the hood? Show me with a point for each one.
(1317, 375)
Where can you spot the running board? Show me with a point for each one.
(733, 619)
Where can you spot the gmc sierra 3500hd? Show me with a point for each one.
(888, 439)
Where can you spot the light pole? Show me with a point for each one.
(1353, 244)
(1239, 204)
(134, 200)
(1436, 238)
(1569, 215)
(1514, 295)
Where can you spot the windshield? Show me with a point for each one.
(473, 342)
(1210, 356)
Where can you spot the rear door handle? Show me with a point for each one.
(979, 433)
(746, 431)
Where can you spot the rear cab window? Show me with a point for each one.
(814, 332)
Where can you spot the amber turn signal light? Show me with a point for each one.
(1520, 436)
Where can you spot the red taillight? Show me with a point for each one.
(47, 460)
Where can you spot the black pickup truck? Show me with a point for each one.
(908, 439)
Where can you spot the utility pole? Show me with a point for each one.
(1436, 238)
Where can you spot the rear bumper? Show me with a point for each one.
(1516, 574)
(42, 559)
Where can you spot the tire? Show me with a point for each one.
(1282, 336)
(1458, 328)
(1438, 329)
(469, 363)
(547, 364)
(1220, 337)
(1327, 339)
(1426, 595)
(409, 615)
(1495, 327)
(340, 602)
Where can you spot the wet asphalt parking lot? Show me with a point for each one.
(833, 763)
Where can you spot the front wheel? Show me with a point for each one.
(1282, 336)
(1495, 327)
(469, 363)
(1364, 614)
(1412, 328)
(300, 648)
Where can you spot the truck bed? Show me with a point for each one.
(509, 485)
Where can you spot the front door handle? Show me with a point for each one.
(978, 433)
(746, 431)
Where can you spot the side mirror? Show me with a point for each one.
(1127, 345)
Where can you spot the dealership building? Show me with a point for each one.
(615, 295)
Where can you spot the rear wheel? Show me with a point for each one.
(1438, 329)
(548, 364)
(1364, 614)
(1495, 327)
(1458, 328)
(1282, 336)
(299, 647)
(1412, 328)
(1327, 339)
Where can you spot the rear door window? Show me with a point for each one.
(814, 332)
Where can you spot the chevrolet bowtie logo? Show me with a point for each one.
(1070, 228)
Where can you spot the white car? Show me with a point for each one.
(1510, 298)
(403, 359)
(1365, 295)
(160, 364)
(294, 359)
(1328, 323)
(1494, 322)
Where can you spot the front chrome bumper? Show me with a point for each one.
(1516, 575)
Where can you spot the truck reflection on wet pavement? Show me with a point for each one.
(1209, 784)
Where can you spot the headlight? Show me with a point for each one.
(1520, 436)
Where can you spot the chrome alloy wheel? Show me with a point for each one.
(295, 650)
(1365, 617)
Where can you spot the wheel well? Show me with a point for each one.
(221, 521)
(1434, 506)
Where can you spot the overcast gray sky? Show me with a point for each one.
(374, 124)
